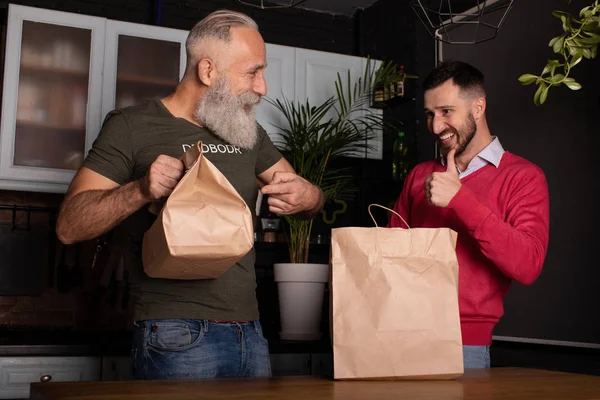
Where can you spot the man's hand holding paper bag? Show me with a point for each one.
(161, 178)
(291, 194)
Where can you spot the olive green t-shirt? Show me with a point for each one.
(130, 140)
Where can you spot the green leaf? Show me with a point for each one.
(558, 45)
(590, 25)
(572, 84)
(589, 40)
(558, 77)
(551, 44)
(576, 60)
(527, 79)
(574, 51)
(544, 95)
(584, 11)
(546, 69)
(586, 53)
(560, 14)
(564, 23)
(538, 92)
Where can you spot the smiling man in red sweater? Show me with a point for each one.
(496, 201)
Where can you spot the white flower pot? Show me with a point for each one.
(301, 288)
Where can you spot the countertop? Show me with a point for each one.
(496, 383)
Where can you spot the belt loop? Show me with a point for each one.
(205, 325)
(256, 326)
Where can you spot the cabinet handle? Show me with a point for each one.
(46, 378)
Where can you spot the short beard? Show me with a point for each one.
(223, 113)
(464, 136)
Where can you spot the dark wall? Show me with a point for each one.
(561, 137)
(289, 27)
(390, 31)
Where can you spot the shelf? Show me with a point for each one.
(392, 102)
(140, 80)
(46, 125)
(79, 73)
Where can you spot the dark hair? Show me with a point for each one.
(465, 76)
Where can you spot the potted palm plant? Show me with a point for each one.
(314, 137)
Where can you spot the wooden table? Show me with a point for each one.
(496, 384)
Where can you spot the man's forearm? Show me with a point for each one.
(91, 213)
(310, 214)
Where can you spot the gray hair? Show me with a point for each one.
(215, 25)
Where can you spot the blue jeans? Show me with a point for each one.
(192, 349)
(476, 356)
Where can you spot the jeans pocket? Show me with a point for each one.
(259, 331)
(174, 336)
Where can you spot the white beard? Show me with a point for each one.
(223, 113)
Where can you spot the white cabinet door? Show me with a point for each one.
(17, 373)
(117, 368)
(316, 74)
(140, 62)
(51, 96)
(317, 71)
(279, 74)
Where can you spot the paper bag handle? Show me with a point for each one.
(385, 208)
(189, 158)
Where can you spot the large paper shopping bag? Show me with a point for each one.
(395, 303)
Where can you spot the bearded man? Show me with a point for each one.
(198, 328)
(496, 201)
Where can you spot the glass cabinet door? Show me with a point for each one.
(141, 62)
(145, 68)
(51, 97)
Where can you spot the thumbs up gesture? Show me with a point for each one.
(440, 187)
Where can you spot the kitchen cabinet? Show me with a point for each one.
(117, 368)
(16, 373)
(140, 62)
(280, 79)
(316, 74)
(51, 96)
(301, 75)
(63, 73)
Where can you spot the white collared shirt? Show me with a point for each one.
(491, 154)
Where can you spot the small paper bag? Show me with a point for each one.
(204, 228)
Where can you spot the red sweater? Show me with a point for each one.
(501, 216)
